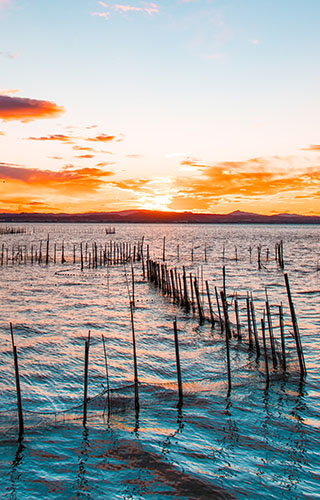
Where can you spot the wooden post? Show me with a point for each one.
(47, 251)
(135, 367)
(273, 350)
(176, 343)
(18, 390)
(303, 370)
(210, 306)
(236, 308)
(265, 350)
(224, 280)
(249, 323)
(81, 257)
(218, 306)
(255, 330)
(107, 371)
(283, 347)
(85, 379)
(164, 249)
(227, 337)
(132, 281)
(198, 300)
(225, 313)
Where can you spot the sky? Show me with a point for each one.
(207, 106)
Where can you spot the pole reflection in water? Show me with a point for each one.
(15, 471)
(83, 489)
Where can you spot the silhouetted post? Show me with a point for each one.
(85, 379)
(176, 343)
(132, 281)
(198, 301)
(249, 323)
(236, 308)
(303, 370)
(218, 306)
(81, 257)
(192, 294)
(107, 371)
(283, 347)
(178, 252)
(273, 350)
(255, 330)
(209, 302)
(265, 350)
(224, 280)
(47, 251)
(228, 335)
(16, 369)
(164, 249)
(225, 313)
(135, 367)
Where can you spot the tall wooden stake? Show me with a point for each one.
(16, 369)
(303, 370)
(176, 343)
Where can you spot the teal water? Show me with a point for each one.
(258, 442)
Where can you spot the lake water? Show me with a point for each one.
(258, 442)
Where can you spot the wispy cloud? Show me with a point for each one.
(149, 8)
(25, 109)
(8, 54)
(53, 137)
(312, 147)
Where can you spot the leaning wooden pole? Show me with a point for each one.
(19, 402)
(135, 366)
(176, 343)
(85, 379)
(107, 371)
(296, 332)
(228, 335)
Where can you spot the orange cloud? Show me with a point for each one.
(254, 181)
(312, 147)
(102, 138)
(25, 109)
(53, 137)
(87, 156)
(69, 180)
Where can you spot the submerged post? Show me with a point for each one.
(283, 347)
(85, 379)
(135, 367)
(296, 332)
(107, 371)
(209, 302)
(227, 335)
(176, 343)
(265, 350)
(16, 369)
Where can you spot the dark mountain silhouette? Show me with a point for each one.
(149, 216)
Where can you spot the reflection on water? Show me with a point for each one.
(260, 441)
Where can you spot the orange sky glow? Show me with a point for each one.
(196, 108)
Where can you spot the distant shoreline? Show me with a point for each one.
(150, 217)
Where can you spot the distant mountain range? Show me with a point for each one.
(151, 217)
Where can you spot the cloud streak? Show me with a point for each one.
(25, 109)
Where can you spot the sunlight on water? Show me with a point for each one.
(260, 442)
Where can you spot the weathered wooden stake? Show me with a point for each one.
(227, 336)
(296, 332)
(283, 347)
(176, 343)
(16, 369)
(85, 379)
(201, 318)
(107, 371)
(265, 350)
(218, 306)
(135, 366)
(210, 306)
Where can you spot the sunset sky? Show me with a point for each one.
(198, 105)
